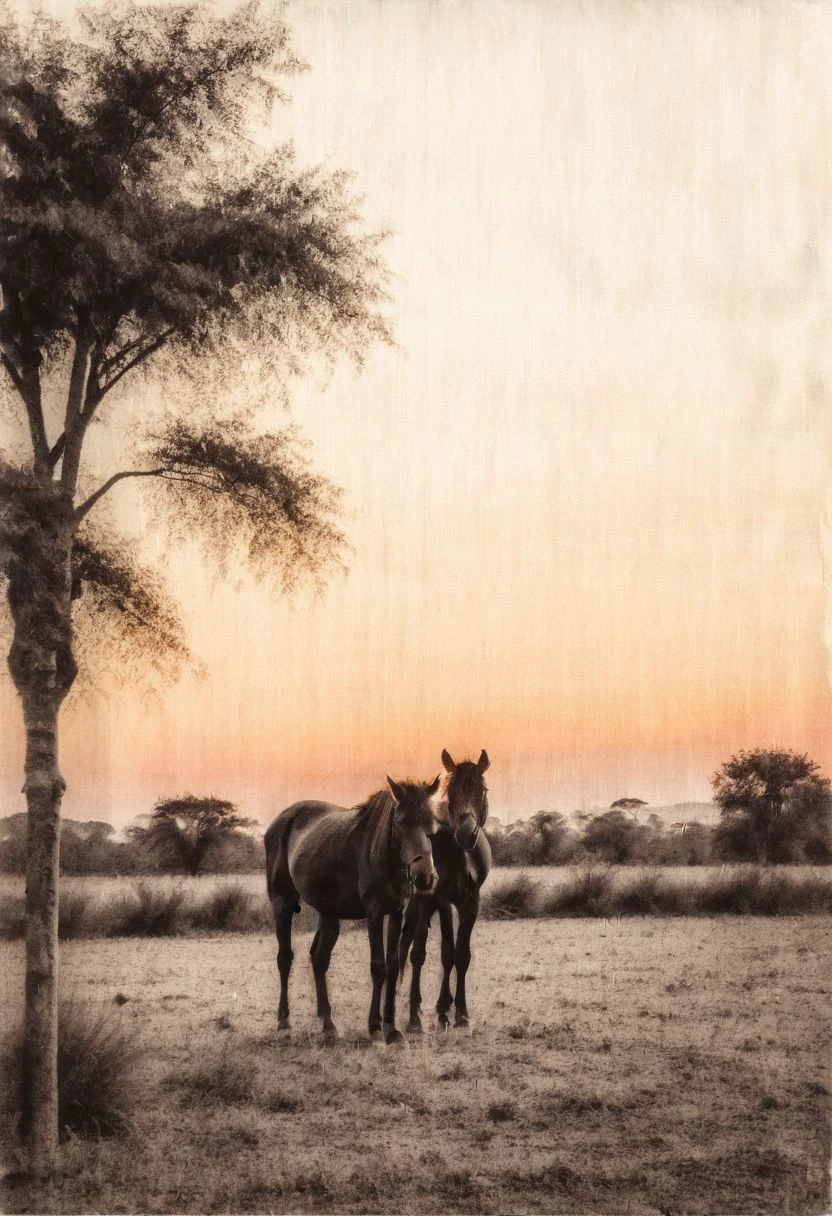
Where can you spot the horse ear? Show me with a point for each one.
(447, 761)
(433, 787)
(483, 763)
(398, 792)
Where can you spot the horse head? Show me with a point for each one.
(414, 822)
(467, 798)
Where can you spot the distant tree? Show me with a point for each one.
(628, 804)
(611, 837)
(143, 231)
(775, 806)
(553, 841)
(184, 832)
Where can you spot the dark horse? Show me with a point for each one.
(462, 857)
(348, 864)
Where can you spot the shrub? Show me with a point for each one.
(97, 1056)
(146, 911)
(72, 912)
(511, 900)
(639, 895)
(12, 916)
(225, 907)
(587, 894)
(653, 894)
(765, 893)
(501, 1112)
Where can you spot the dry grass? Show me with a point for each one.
(160, 907)
(650, 1066)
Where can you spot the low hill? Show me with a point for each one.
(683, 812)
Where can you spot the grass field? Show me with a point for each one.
(647, 1066)
(165, 906)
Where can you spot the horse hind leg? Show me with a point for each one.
(284, 910)
(321, 952)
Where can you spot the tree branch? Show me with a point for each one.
(148, 350)
(90, 502)
(57, 450)
(75, 424)
(107, 365)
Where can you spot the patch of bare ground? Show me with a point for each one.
(660, 1066)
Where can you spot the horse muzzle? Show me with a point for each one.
(466, 833)
(421, 874)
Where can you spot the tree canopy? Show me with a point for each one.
(143, 229)
(775, 805)
(183, 832)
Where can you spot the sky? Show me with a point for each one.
(588, 492)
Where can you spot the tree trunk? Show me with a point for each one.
(37, 529)
(44, 788)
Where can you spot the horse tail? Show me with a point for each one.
(269, 842)
(275, 840)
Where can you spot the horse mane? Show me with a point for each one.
(377, 813)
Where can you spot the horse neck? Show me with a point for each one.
(378, 824)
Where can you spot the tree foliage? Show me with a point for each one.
(142, 230)
(183, 832)
(775, 805)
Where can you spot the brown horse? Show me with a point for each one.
(462, 857)
(348, 864)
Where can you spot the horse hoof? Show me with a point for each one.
(442, 1022)
(330, 1033)
(461, 1020)
(414, 1026)
(393, 1037)
(375, 1033)
(283, 1024)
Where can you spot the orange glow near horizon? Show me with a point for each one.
(588, 495)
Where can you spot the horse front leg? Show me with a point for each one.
(394, 929)
(378, 968)
(410, 928)
(426, 909)
(446, 998)
(462, 954)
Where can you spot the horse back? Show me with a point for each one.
(311, 854)
(282, 836)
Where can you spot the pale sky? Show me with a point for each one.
(588, 493)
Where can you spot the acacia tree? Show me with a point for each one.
(182, 832)
(775, 806)
(633, 805)
(141, 231)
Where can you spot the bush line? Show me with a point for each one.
(146, 910)
(601, 893)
